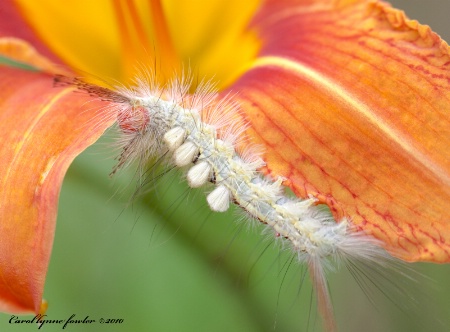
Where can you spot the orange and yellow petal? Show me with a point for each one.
(43, 130)
(352, 101)
(213, 36)
(83, 34)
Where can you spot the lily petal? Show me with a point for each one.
(352, 101)
(43, 128)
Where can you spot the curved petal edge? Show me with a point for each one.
(44, 129)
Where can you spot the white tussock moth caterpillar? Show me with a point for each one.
(201, 133)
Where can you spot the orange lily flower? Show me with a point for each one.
(352, 108)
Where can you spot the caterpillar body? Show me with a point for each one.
(205, 134)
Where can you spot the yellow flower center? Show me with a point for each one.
(111, 39)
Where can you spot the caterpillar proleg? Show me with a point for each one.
(205, 134)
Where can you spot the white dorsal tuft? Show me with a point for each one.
(199, 174)
(174, 138)
(219, 199)
(184, 155)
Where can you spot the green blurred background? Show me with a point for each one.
(164, 262)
